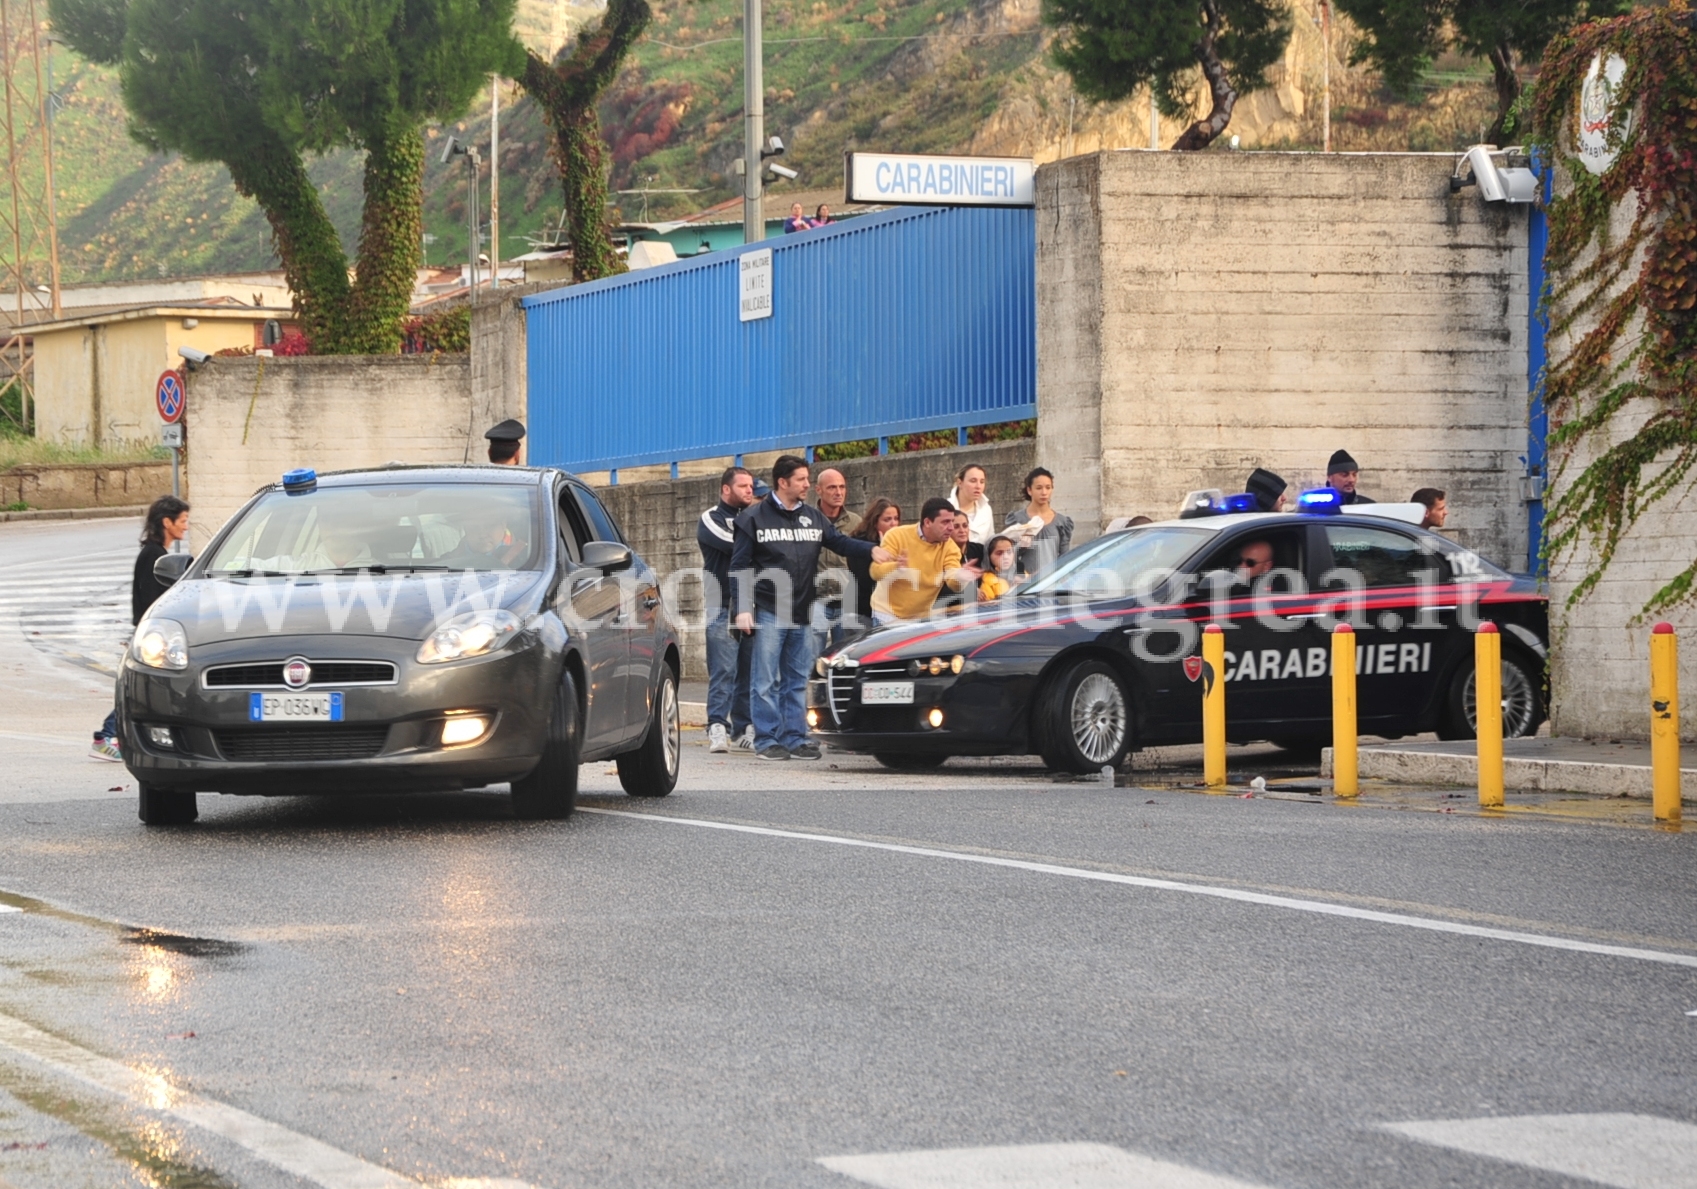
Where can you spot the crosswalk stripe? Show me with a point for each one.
(1026, 1166)
(1625, 1151)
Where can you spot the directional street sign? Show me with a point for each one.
(169, 396)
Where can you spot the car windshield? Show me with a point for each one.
(383, 528)
(1120, 563)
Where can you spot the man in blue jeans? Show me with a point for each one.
(773, 565)
(728, 654)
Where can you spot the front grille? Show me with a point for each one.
(839, 684)
(270, 674)
(301, 743)
(890, 671)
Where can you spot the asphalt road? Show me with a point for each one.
(826, 975)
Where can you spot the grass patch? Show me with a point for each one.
(20, 451)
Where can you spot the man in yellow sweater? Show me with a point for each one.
(926, 558)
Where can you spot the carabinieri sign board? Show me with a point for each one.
(894, 178)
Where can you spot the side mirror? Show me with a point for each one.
(172, 567)
(607, 556)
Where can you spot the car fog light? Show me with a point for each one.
(935, 717)
(957, 663)
(161, 737)
(813, 719)
(466, 728)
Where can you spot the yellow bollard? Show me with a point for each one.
(1213, 707)
(1345, 782)
(1488, 713)
(1664, 723)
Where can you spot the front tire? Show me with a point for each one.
(165, 807)
(1523, 701)
(652, 769)
(909, 762)
(550, 791)
(1083, 720)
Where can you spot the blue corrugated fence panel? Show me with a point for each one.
(916, 319)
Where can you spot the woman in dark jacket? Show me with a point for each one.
(167, 523)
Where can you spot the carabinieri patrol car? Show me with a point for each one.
(1101, 654)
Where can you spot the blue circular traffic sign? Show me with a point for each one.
(169, 396)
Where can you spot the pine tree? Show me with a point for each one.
(1402, 37)
(256, 84)
(1111, 48)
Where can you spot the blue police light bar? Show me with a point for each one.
(1241, 503)
(300, 480)
(1321, 501)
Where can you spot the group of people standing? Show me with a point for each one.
(1343, 475)
(795, 579)
(800, 222)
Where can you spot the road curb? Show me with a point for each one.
(1402, 766)
(692, 714)
(76, 513)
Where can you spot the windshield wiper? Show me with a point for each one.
(251, 574)
(376, 568)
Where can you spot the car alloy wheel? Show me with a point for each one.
(1520, 701)
(652, 769)
(1098, 718)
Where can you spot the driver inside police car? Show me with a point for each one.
(487, 542)
(1254, 559)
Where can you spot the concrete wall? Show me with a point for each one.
(498, 360)
(94, 384)
(86, 485)
(1600, 671)
(250, 419)
(660, 517)
(1201, 314)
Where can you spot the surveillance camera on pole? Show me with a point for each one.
(448, 148)
(193, 357)
(774, 148)
(791, 174)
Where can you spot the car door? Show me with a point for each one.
(589, 601)
(1272, 677)
(638, 621)
(1404, 616)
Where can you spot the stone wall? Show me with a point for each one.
(86, 485)
(250, 419)
(1202, 314)
(1600, 668)
(659, 518)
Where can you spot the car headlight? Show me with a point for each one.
(160, 644)
(471, 634)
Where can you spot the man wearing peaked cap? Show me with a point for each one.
(504, 442)
(1342, 472)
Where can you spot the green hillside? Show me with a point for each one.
(913, 75)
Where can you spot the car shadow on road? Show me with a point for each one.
(378, 811)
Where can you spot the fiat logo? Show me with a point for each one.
(296, 672)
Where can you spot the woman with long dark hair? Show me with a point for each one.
(881, 516)
(1041, 533)
(167, 522)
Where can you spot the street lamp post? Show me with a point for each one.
(754, 124)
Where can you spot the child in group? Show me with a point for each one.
(999, 573)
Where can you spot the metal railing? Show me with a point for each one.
(897, 323)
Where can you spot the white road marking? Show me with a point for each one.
(1319, 907)
(1026, 1166)
(9, 908)
(1626, 1151)
(305, 1157)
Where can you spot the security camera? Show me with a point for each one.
(193, 357)
(1497, 183)
(448, 149)
(774, 148)
(785, 173)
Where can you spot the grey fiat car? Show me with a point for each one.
(403, 629)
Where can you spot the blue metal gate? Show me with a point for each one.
(916, 319)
